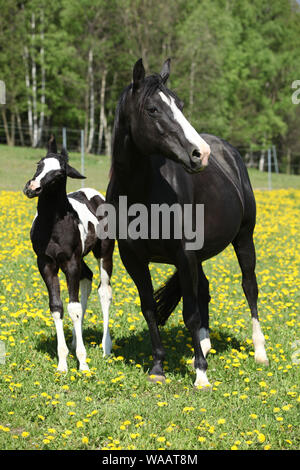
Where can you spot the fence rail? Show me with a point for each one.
(264, 159)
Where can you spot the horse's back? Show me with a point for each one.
(227, 160)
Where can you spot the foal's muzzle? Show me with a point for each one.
(31, 189)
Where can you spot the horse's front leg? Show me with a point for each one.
(188, 274)
(48, 270)
(139, 272)
(72, 270)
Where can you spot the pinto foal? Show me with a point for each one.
(63, 232)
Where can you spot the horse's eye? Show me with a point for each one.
(152, 110)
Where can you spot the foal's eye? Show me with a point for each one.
(152, 110)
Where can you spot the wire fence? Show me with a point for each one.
(269, 160)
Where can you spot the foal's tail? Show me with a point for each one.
(167, 298)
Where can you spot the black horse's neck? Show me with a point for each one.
(130, 170)
(53, 204)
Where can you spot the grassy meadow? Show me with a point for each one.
(113, 406)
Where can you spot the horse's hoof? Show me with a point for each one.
(156, 378)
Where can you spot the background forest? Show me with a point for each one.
(65, 63)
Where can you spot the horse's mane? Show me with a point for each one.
(150, 85)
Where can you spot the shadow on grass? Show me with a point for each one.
(136, 347)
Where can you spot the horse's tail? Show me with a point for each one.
(167, 298)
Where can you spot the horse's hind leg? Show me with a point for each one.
(105, 296)
(203, 301)
(86, 277)
(245, 251)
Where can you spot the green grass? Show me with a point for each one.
(17, 166)
(114, 406)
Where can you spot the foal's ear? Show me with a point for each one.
(64, 154)
(72, 173)
(165, 71)
(138, 74)
(52, 147)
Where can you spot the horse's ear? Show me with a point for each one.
(165, 71)
(52, 147)
(138, 74)
(72, 173)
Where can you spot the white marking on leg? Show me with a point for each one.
(205, 341)
(259, 343)
(62, 349)
(75, 312)
(201, 379)
(190, 133)
(85, 290)
(105, 296)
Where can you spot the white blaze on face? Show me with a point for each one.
(190, 133)
(50, 164)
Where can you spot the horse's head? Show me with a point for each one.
(51, 172)
(157, 124)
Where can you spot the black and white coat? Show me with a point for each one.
(63, 232)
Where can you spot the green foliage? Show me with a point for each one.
(233, 62)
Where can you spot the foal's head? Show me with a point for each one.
(51, 172)
(157, 124)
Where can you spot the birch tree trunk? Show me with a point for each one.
(102, 111)
(28, 88)
(19, 123)
(92, 103)
(262, 161)
(4, 118)
(13, 128)
(43, 82)
(192, 86)
(34, 83)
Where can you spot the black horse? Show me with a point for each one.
(158, 157)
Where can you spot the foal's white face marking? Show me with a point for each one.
(50, 164)
(190, 133)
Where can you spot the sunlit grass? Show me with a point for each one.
(113, 406)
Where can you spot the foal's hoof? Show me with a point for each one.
(203, 388)
(156, 378)
(262, 360)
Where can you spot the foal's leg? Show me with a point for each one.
(48, 272)
(105, 296)
(72, 269)
(245, 251)
(139, 272)
(86, 278)
(188, 274)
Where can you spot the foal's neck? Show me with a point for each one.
(53, 204)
